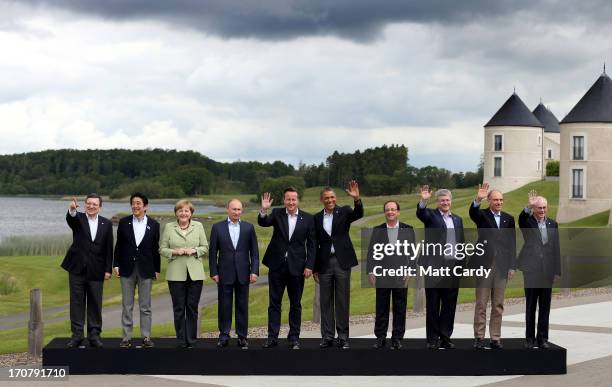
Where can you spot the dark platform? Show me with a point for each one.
(361, 359)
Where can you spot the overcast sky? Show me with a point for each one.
(288, 80)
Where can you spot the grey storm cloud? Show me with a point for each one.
(358, 20)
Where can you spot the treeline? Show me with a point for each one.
(169, 173)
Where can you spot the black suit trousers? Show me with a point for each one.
(440, 314)
(85, 298)
(335, 289)
(226, 299)
(278, 280)
(399, 297)
(185, 299)
(540, 299)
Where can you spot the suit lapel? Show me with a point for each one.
(131, 231)
(228, 235)
(85, 220)
(285, 223)
(335, 220)
(99, 230)
(491, 218)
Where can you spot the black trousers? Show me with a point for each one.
(185, 299)
(335, 289)
(278, 280)
(85, 299)
(383, 299)
(440, 314)
(533, 297)
(226, 299)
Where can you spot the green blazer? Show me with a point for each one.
(179, 265)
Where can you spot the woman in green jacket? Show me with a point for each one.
(184, 244)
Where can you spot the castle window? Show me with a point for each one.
(578, 148)
(549, 154)
(539, 165)
(497, 166)
(498, 142)
(577, 183)
(540, 140)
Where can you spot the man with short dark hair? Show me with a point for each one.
(88, 262)
(137, 264)
(233, 258)
(290, 256)
(335, 259)
(390, 289)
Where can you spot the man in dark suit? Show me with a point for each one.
(388, 288)
(496, 231)
(88, 262)
(290, 256)
(137, 264)
(335, 258)
(540, 262)
(442, 228)
(233, 258)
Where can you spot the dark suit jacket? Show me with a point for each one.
(380, 235)
(500, 246)
(231, 263)
(343, 247)
(435, 232)
(299, 251)
(84, 256)
(146, 254)
(536, 258)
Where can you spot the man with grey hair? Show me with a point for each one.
(441, 227)
(496, 232)
(540, 262)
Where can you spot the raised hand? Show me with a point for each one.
(353, 190)
(425, 193)
(533, 198)
(266, 201)
(74, 204)
(483, 191)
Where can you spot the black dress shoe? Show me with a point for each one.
(380, 343)
(344, 344)
(447, 344)
(326, 343)
(270, 343)
(294, 344)
(125, 343)
(243, 343)
(433, 345)
(222, 343)
(75, 343)
(479, 343)
(543, 345)
(529, 344)
(147, 343)
(496, 344)
(396, 344)
(95, 343)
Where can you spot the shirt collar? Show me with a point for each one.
(232, 223)
(136, 220)
(442, 213)
(92, 220)
(396, 225)
(296, 212)
(496, 213)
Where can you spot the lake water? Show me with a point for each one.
(37, 216)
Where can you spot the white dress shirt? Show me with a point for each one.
(234, 231)
(140, 227)
(292, 222)
(93, 223)
(328, 220)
